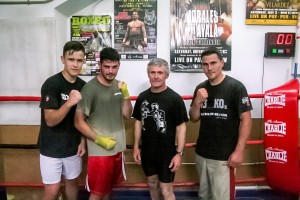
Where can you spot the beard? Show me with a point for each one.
(109, 77)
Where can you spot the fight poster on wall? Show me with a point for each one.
(95, 34)
(272, 12)
(135, 29)
(196, 25)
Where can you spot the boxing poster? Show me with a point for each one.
(135, 26)
(196, 25)
(272, 12)
(95, 33)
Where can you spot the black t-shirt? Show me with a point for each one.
(220, 118)
(159, 113)
(63, 139)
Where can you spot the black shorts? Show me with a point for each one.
(159, 166)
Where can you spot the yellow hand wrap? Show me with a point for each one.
(124, 91)
(105, 142)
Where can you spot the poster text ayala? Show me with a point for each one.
(196, 25)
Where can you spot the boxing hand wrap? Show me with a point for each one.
(105, 142)
(124, 91)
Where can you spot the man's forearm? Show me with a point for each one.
(137, 133)
(126, 108)
(244, 131)
(181, 136)
(195, 112)
(82, 126)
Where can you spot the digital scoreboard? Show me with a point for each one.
(279, 44)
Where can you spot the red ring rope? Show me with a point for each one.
(37, 98)
(186, 97)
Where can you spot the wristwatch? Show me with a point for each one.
(180, 153)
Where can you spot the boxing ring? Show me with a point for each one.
(281, 140)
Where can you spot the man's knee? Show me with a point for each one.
(153, 182)
(167, 190)
(71, 182)
(52, 191)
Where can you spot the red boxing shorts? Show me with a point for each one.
(103, 173)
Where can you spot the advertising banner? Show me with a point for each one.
(136, 29)
(95, 34)
(196, 25)
(272, 12)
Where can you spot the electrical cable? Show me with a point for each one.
(261, 124)
(94, 7)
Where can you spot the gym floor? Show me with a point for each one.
(182, 193)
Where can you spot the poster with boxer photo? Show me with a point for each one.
(135, 29)
(195, 25)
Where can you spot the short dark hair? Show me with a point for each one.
(109, 53)
(211, 50)
(72, 46)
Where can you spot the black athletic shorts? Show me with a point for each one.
(152, 166)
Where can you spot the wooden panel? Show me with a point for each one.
(22, 165)
(19, 134)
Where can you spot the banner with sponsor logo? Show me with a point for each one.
(281, 139)
(95, 33)
(135, 29)
(272, 12)
(196, 25)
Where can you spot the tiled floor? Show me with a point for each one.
(35, 193)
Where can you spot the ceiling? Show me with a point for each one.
(24, 1)
(67, 8)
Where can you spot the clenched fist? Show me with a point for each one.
(123, 88)
(201, 96)
(74, 98)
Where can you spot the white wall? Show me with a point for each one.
(248, 64)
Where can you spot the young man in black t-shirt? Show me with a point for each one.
(223, 107)
(61, 145)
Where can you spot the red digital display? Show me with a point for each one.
(279, 44)
(281, 38)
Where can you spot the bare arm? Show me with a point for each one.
(200, 98)
(126, 108)
(126, 34)
(236, 158)
(81, 147)
(137, 140)
(54, 117)
(144, 32)
(180, 138)
(194, 112)
(83, 126)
